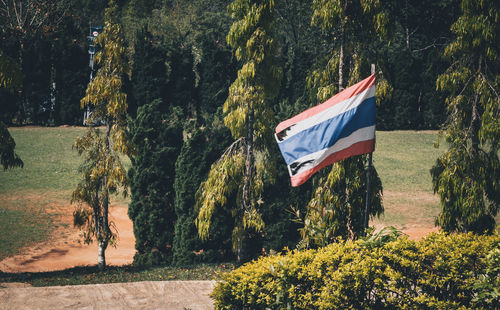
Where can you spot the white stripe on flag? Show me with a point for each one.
(362, 134)
(335, 110)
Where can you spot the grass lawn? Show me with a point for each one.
(49, 175)
(403, 160)
(29, 197)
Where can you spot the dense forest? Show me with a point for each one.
(178, 52)
(185, 64)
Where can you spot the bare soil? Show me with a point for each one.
(65, 248)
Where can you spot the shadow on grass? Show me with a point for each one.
(118, 274)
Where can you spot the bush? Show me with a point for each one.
(440, 272)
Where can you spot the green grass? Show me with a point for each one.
(50, 164)
(19, 228)
(91, 275)
(403, 160)
(49, 175)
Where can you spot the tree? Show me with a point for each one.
(202, 147)
(158, 138)
(10, 78)
(27, 22)
(412, 61)
(8, 158)
(338, 203)
(245, 165)
(103, 172)
(467, 175)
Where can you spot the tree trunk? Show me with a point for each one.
(103, 239)
(475, 121)
(101, 254)
(341, 60)
(247, 183)
(248, 162)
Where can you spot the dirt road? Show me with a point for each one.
(170, 295)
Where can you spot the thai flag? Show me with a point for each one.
(339, 128)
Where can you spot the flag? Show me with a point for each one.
(339, 128)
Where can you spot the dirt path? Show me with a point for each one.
(65, 249)
(139, 295)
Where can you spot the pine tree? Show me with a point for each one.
(202, 147)
(149, 70)
(102, 169)
(245, 165)
(467, 175)
(158, 139)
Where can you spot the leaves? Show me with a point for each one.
(336, 210)
(241, 168)
(388, 272)
(102, 170)
(466, 175)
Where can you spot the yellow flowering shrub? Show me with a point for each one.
(439, 272)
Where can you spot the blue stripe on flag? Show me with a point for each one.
(325, 134)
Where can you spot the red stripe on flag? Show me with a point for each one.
(359, 148)
(339, 97)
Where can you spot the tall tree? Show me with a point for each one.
(27, 21)
(158, 138)
(338, 203)
(412, 61)
(103, 172)
(149, 69)
(245, 165)
(467, 175)
(201, 148)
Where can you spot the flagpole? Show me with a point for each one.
(368, 181)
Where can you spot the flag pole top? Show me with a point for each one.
(373, 68)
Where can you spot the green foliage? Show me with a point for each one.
(488, 286)
(102, 169)
(466, 177)
(336, 210)
(102, 174)
(244, 166)
(438, 272)
(356, 26)
(70, 72)
(201, 147)
(8, 158)
(149, 71)
(412, 61)
(10, 75)
(158, 139)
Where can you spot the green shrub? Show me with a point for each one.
(439, 272)
(158, 138)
